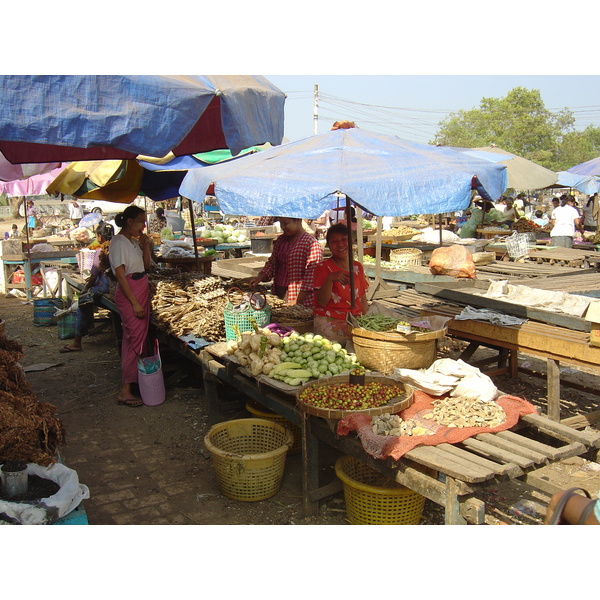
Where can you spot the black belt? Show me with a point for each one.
(138, 275)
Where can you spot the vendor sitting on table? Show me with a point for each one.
(482, 214)
(291, 265)
(332, 288)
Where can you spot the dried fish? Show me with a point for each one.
(464, 412)
(388, 424)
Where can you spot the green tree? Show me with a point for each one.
(518, 123)
(577, 147)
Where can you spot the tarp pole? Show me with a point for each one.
(350, 253)
(194, 234)
(440, 221)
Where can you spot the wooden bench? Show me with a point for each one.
(555, 344)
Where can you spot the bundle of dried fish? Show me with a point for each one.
(388, 424)
(189, 303)
(464, 412)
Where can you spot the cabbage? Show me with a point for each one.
(231, 239)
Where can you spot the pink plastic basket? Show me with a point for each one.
(152, 385)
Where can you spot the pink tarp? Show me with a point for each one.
(32, 186)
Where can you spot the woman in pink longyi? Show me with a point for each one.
(129, 256)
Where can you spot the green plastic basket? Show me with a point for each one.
(242, 319)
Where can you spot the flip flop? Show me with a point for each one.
(66, 349)
(131, 402)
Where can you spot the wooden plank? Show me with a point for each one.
(549, 451)
(525, 452)
(497, 453)
(581, 421)
(498, 469)
(518, 310)
(450, 466)
(553, 388)
(563, 432)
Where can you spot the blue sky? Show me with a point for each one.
(421, 101)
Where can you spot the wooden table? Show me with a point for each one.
(449, 475)
(554, 344)
(488, 234)
(203, 264)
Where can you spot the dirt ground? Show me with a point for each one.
(149, 465)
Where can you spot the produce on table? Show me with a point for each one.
(462, 412)
(260, 349)
(189, 303)
(226, 234)
(388, 424)
(316, 356)
(350, 396)
(381, 322)
(524, 225)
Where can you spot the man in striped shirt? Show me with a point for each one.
(291, 265)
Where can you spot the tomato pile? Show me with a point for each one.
(350, 396)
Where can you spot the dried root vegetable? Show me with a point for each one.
(291, 312)
(30, 431)
(463, 412)
(388, 424)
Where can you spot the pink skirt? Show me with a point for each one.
(135, 329)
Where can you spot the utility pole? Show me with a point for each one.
(316, 110)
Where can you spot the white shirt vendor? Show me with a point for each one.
(127, 253)
(564, 221)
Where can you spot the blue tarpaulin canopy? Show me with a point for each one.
(65, 118)
(590, 167)
(585, 184)
(382, 174)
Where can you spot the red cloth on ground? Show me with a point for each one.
(382, 446)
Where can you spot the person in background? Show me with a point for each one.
(14, 233)
(565, 221)
(32, 213)
(96, 285)
(589, 222)
(511, 212)
(332, 288)
(158, 221)
(129, 256)
(555, 204)
(482, 213)
(540, 218)
(291, 265)
(75, 211)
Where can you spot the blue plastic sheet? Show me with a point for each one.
(382, 174)
(590, 168)
(119, 116)
(583, 183)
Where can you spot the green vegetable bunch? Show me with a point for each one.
(380, 322)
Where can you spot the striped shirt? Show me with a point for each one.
(292, 265)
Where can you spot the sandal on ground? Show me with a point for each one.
(66, 349)
(132, 402)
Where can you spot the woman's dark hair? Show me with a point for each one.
(539, 214)
(160, 211)
(106, 230)
(131, 212)
(337, 228)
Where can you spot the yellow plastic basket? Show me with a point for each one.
(373, 499)
(249, 457)
(262, 412)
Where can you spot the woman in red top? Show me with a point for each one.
(332, 288)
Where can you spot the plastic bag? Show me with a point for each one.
(150, 378)
(48, 510)
(452, 261)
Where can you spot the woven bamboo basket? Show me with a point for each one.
(249, 457)
(373, 499)
(261, 412)
(385, 352)
(404, 399)
(406, 257)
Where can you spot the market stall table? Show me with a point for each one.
(449, 475)
(202, 264)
